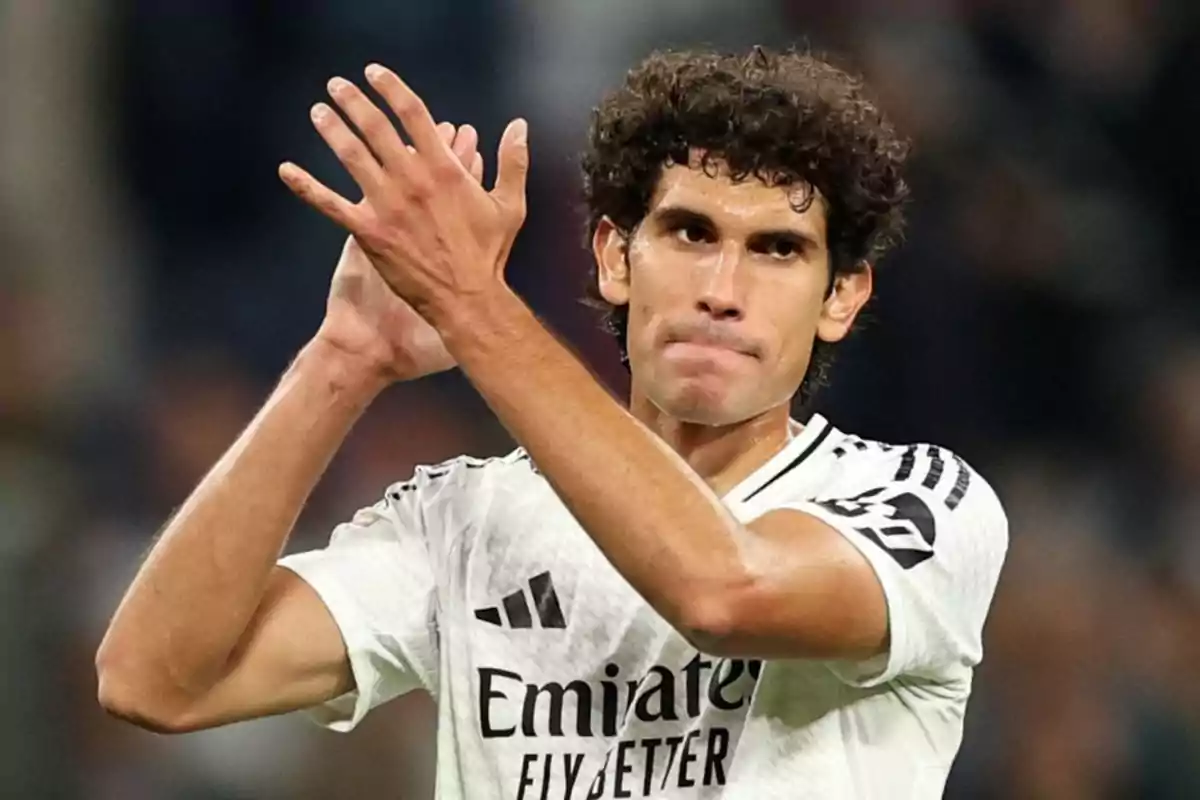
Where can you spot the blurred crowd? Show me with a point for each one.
(1043, 320)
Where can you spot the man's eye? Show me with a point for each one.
(691, 234)
(783, 248)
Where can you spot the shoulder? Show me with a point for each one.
(931, 470)
(465, 475)
(920, 484)
(447, 497)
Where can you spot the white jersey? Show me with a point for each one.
(555, 679)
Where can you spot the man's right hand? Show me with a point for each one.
(368, 324)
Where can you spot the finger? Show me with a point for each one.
(318, 195)
(513, 166)
(408, 108)
(348, 148)
(477, 167)
(377, 130)
(446, 133)
(465, 142)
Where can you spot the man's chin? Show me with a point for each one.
(699, 404)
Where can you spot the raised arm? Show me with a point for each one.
(211, 631)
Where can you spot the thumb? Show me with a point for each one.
(513, 166)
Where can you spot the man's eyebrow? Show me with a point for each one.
(682, 215)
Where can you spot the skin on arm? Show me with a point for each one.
(807, 592)
(211, 631)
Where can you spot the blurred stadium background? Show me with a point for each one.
(1043, 319)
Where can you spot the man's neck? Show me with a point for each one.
(724, 455)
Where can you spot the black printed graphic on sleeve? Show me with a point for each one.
(902, 526)
(898, 517)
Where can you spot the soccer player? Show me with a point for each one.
(692, 596)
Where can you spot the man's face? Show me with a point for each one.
(726, 286)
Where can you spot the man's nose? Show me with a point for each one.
(719, 296)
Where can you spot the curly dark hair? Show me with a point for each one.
(780, 117)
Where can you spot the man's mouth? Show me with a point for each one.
(702, 341)
(710, 345)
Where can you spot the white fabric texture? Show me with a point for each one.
(555, 679)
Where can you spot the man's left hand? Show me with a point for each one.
(432, 231)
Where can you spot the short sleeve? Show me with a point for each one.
(377, 579)
(935, 535)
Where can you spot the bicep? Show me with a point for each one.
(290, 657)
(808, 593)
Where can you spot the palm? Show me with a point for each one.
(366, 318)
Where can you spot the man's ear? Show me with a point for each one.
(609, 246)
(851, 291)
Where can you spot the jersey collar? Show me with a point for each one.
(799, 450)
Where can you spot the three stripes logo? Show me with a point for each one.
(937, 466)
(517, 607)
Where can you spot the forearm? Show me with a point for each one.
(647, 510)
(202, 582)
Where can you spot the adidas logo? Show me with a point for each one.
(516, 607)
